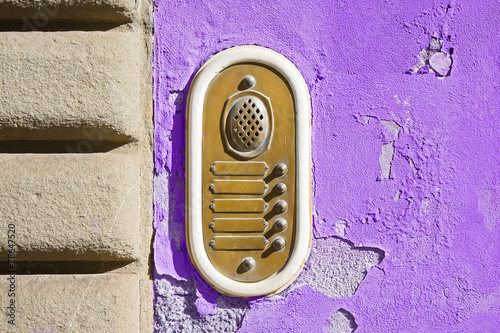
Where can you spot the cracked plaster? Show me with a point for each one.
(433, 221)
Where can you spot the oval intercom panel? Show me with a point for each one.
(248, 178)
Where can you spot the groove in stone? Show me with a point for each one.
(36, 15)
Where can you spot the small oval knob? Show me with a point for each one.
(280, 188)
(280, 169)
(278, 244)
(280, 225)
(280, 206)
(248, 263)
(248, 82)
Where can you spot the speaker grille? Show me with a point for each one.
(248, 124)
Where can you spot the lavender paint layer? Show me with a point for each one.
(406, 163)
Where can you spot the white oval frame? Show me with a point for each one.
(303, 223)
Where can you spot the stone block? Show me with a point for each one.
(71, 303)
(70, 207)
(43, 11)
(61, 85)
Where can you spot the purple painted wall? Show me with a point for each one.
(406, 164)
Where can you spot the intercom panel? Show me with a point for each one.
(248, 185)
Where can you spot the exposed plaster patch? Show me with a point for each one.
(393, 127)
(423, 65)
(342, 321)
(398, 195)
(176, 311)
(336, 267)
(385, 159)
(324, 229)
(340, 226)
(441, 63)
(433, 58)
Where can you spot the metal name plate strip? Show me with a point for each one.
(238, 206)
(238, 186)
(220, 168)
(235, 243)
(238, 225)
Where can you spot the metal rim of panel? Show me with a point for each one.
(194, 231)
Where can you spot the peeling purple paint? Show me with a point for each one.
(437, 213)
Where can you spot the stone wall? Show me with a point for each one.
(75, 166)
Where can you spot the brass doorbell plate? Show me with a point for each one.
(248, 171)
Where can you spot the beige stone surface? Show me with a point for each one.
(71, 206)
(61, 85)
(72, 303)
(76, 163)
(118, 11)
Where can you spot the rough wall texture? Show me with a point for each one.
(406, 176)
(75, 166)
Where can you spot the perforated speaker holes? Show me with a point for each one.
(249, 123)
